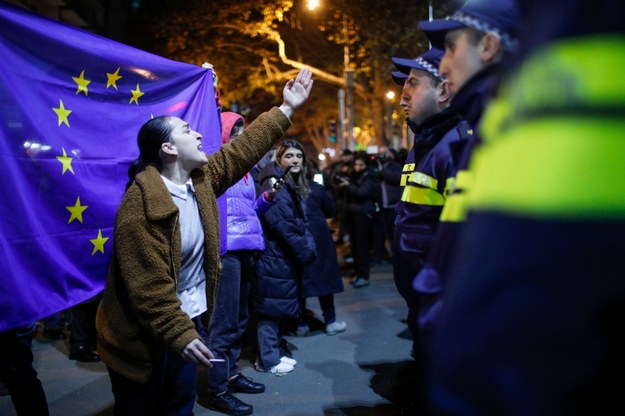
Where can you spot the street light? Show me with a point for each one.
(349, 88)
(346, 94)
(390, 98)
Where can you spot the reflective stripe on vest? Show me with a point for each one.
(456, 206)
(555, 140)
(423, 180)
(408, 167)
(422, 196)
(422, 189)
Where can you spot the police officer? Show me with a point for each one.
(426, 175)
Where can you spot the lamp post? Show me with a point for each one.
(390, 98)
(430, 16)
(341, 96)
(346, 94)
(349, 88)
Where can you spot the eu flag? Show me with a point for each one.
(71, 105)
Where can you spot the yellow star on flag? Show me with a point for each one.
(76, 211)
(82, 83)
(112, 79)
(136, 94)
(98, 243)
(66, 161)
(62, 113)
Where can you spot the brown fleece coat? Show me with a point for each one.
(139, 312)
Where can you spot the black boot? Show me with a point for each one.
(83, 354)
(230, 405)
(242, 384)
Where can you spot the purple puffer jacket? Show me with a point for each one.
(244, 229)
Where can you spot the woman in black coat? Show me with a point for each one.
(322, 278)
(289, 247)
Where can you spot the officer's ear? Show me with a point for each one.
(491, 48)
(444, 93)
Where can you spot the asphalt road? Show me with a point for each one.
(364, 371)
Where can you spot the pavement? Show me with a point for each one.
(364, 371)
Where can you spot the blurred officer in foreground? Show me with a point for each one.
(533, 320)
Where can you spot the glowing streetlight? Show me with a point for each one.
(346, 94)
(388, 135)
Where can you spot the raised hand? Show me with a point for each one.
(296, 92)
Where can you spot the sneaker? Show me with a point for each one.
(230, 405)
(335, 327)
(280, 369)
(288, 360)
(360, 282)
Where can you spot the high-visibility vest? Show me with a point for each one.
(554, 140)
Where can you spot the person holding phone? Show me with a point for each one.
(289, 247)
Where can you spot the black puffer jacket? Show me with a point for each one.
(363, 193)
(288, 247)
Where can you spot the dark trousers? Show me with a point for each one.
(326, 303)
(388, 219)
(82, 329)
(20, 378)
(268, 330)
(170, 390)
(360, 241)
(406, 265)
(229, 320)
(378, 237)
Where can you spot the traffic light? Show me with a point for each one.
(333, 134)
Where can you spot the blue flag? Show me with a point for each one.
(71, 105)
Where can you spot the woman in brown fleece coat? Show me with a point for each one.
(164, 273)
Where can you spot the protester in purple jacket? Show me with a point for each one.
(229, 320)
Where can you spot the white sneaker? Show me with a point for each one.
(281, 369)
(335, 327)
(289, 361)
